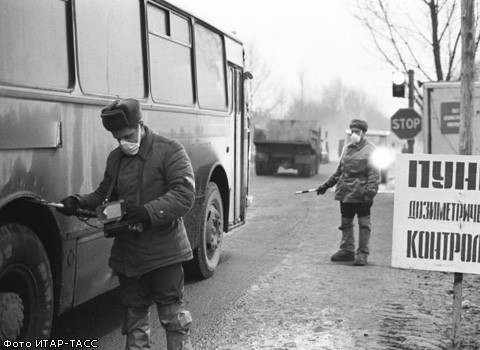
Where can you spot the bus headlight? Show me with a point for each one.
(382, 158)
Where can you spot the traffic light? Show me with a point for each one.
(398, 84)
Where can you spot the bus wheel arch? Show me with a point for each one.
(34, 228)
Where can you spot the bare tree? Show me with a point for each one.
(259, 69)
(268, 98)
(336, 105)
(423, 35)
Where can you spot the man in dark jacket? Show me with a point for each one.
(357, 182)
(153, 174)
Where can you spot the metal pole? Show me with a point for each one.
(411, 88)
(411, 103)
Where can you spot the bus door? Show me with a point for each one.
(236, 192)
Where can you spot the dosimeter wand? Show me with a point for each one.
(60, 205)
(306, 191)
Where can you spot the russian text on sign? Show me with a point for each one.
(437, 213)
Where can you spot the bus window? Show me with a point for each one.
(170, 57)
(180, 29)
(110, 48)
(158, 21)
(34, 39)
(210, 69)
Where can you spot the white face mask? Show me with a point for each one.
(355, 138)
(131, 148)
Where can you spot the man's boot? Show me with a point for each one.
(363, 240)
(136, 326)
(347, 245)
(176, 321)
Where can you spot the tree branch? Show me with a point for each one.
(435, 42)
(440, 7)
(417, 63)
(476, 42)
(378, 46)
(452, 58)
(418, 30)
(400, 41)
(412, 52)
(392, 36)
(449, 19)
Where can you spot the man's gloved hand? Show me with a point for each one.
(322, 189)
(367, 201)
(70, 206)
(137, 213)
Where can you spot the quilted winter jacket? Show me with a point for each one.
(356, 176)
(167, 190)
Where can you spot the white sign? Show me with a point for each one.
(436, 222)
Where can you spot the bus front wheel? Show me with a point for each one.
(210, 230)
(26, 286)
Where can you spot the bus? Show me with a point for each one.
(61, 62)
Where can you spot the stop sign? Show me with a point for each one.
(406, 123)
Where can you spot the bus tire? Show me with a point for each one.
(210, 232)
(26, 285)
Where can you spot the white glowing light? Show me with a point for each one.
(383, 158)
(398, 78)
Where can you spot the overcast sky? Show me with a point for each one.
(320, 35)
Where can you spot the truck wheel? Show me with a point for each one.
(260, 168)
(26, 286)
(305, 170)
(272, 169)
(210, 230)
(300, 170)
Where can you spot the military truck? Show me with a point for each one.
(290, 144)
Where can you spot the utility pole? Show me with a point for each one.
(465, 141)
(467, 76)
